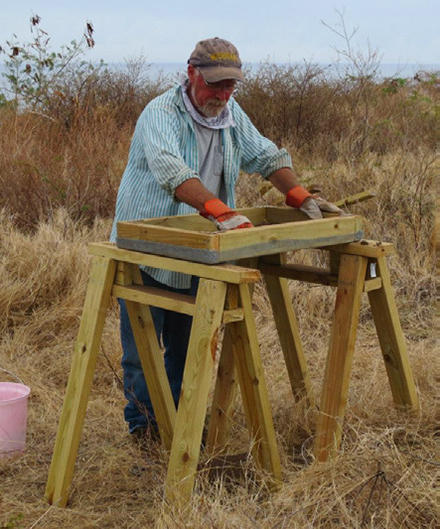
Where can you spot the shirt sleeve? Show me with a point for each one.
(160, 133)
(260, 155)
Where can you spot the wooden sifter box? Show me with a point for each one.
(276, 229)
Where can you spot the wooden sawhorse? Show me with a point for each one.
(354, 268)
(223, 296)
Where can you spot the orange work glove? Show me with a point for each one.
(296, 197)
(224, 217)
(311, 205)
(300, 198)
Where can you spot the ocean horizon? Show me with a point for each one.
(174, 69)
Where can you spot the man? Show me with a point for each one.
(186, 153)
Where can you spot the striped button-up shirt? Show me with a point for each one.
(163, 154)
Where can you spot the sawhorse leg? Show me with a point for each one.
(288, 332)
(80, 380)
(342, 341)
(241, 361)
(392, 341)
(226, 385)
(223, 403)
(254, 392)
(151, 358)
(196, 384)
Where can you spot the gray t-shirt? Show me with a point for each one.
(209, 144)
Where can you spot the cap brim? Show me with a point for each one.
(221, 73)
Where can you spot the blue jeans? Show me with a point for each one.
(173, 330)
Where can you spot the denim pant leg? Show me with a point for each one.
(138, 412)
(175, 335)
(174, 329)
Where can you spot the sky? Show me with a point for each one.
(282, 31)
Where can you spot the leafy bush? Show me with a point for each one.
(45, 81)
(65, 128)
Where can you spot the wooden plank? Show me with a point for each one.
(392, 341)
(224, 272)
(265, 245)
(288, 332)
(194, 223)
(334, 262)
(156, 297)
(311, 274)
(232, 297)
(152, 361)
(299, 272)
(250, 375)
(257, 215)
(166, 235)
(279, 215)
(186, 253)
(123, 274)
(365, 247)
(85, 354)
(372, 284)
(226, 386)
(163, 299)
(194, 394)
(342, 341)
(311, 233)
(229, 316)
(355, 199)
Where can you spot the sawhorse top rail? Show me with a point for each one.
(221, 272)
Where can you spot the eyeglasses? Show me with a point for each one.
(229, 86)
(220, 86)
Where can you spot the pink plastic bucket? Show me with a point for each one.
(13, 414)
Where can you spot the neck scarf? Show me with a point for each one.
(223, 120)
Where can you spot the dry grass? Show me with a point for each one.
(56, 184)
(383, 477)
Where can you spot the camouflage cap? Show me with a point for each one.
(217, 60)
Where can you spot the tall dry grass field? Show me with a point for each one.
(58, 184)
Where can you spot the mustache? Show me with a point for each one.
(217, 102)
(213, 108)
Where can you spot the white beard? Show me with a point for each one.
(211, 109)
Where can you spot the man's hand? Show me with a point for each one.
(311, 205)
(311, 208)
(224, 217)
(327, 206)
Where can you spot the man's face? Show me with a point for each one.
(209, 98)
